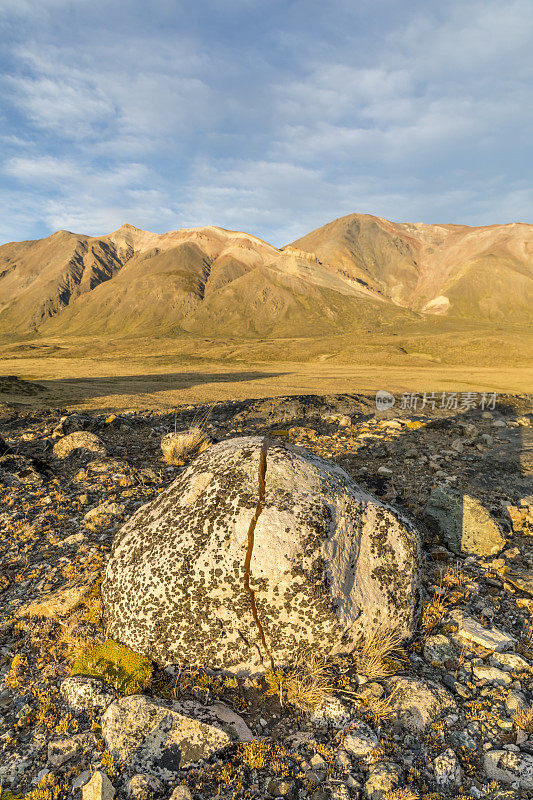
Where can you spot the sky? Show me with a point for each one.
(268, 116)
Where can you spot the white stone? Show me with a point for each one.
(328, 560)
(330, 711)
(361, 740)
(510, 662)
(472, 631)
(155, 738)
(417, 703)
(492, 675)
(447, 770)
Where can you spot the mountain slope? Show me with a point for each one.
(358, 273)
(478, 273)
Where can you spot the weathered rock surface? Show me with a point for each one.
(327, 560)
(155, 738)
(418, 703)
(83, 693)
(464, 523)
(98, 788)
(80, 440)
(510, 767)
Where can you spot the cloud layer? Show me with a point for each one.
(264, 115)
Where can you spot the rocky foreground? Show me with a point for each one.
(448, 714)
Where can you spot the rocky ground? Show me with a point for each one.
(447, 715)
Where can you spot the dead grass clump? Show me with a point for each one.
(373, 657)
(524, 720)
(177, 446)
(404, 793)
(376, 710)
(434, 611)
(304, 684)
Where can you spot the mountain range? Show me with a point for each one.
(359, 272)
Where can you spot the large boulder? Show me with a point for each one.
(190, 580)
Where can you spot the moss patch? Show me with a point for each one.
(116, 664)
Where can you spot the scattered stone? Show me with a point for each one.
(447, 770)
(62, 750)
(383, 777)
(510, 662)
(55, 604)
(438, 649)
(418, 703)
(102, 515)
(361, 740)
(464, 523)
(153, 738)
(83, 693)
(181, 793)
(98, 788)
(510, 767)
(471, 631)
(491, 675)
(330, 711)
(144, 787)
(80, 440)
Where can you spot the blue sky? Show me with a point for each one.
(269, 116)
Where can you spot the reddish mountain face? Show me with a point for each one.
(357, 271)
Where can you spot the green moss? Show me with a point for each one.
(116, 664)
(7, 795)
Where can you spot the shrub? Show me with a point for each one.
(116, 664)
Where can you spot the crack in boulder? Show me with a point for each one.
(251, 539)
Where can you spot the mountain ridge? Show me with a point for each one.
(354, 272)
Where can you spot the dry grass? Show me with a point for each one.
(304, 684)
(192, 442)
(376, 710)
(402, 794)
(434, 611)
(524, 720)
(373, 657)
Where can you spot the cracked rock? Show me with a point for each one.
(327, 559)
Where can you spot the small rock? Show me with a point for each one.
(62, 750)
(80, 440)
(181, 792)
(83, 693)
(439, 649)
(98, 788)
(418, 703)
(474, 632)
(447, 770)
(144, 787)
(383, 777)
(330, 711)
(515, 702)
(510, 662)
(278, 787)
(509, 767)
(83, 778)
(361, 740)
(170, 739)
(492, 675)
(464, 523)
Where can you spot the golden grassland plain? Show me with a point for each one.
(162, 373)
